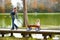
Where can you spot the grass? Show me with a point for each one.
(24, 38)
(13, 38)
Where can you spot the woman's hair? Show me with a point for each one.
(14, 8)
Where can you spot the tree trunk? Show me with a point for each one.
(25, 17)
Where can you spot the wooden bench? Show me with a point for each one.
(45, 33)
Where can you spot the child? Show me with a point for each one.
(38, 24)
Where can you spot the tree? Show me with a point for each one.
(8, 7)
(25, 22)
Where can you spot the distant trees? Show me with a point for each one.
(5, 6)
(43, 5)
(2, 6)
(34, 6)
(8, 7)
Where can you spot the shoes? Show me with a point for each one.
(13, 29)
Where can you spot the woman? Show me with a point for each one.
(14, 15)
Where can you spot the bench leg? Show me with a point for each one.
(25, 35)
(45, 37)
(50, 36)
(30, 35)
(11, 34)
(2, 35)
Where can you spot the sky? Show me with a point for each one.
(14, 3)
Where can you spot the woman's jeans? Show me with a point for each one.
(13, 25)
